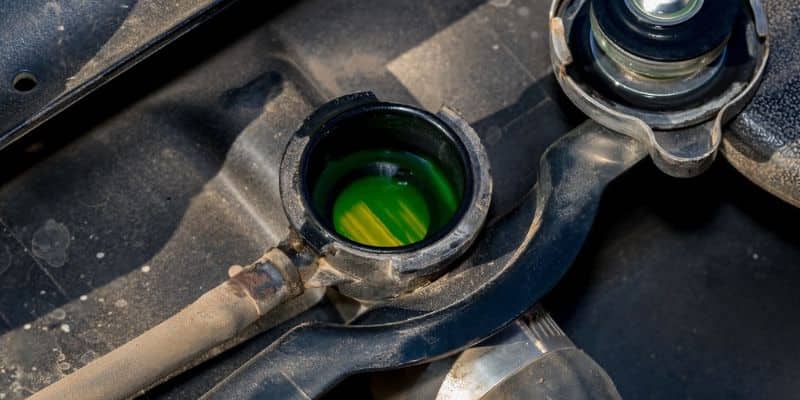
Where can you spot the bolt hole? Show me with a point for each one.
(24, 82)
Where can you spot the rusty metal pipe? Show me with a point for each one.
(217, 316)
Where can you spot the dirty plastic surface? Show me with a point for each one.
(126, 208)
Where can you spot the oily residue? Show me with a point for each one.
(50, 243)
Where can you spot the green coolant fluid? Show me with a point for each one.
(396, 198)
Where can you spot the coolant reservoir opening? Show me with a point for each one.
(387, 177)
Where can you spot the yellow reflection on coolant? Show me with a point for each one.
(381, 211)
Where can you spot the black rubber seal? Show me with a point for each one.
(685, 41)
